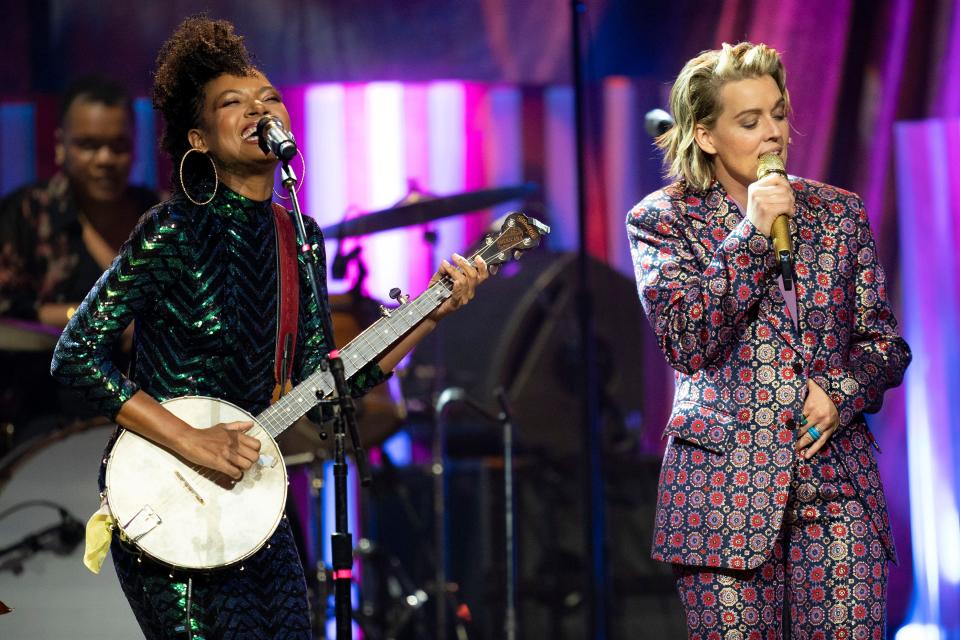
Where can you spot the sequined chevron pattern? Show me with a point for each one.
(201, 283)
(262, 598)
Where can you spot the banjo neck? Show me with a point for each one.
(518, 234)
(365, 348)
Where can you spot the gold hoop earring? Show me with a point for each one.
(303, 173)
(216, 178)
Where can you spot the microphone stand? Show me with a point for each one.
(345, 422)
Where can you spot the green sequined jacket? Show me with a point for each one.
(200, 284)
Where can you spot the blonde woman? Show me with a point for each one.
(770, 500)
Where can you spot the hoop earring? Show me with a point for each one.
(216, 178)
(303, 172)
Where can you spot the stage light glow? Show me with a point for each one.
(927, 190)
(326, 145)
(386, 253)
(446, 130)
(18, 162)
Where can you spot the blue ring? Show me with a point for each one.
(814, 433)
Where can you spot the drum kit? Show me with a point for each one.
(49, 466)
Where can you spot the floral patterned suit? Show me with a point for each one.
(707, 278)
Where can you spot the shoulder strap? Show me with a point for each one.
(288, 299)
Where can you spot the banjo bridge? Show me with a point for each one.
(189, 488)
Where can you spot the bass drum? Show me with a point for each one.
(52, 593)
(379, 414)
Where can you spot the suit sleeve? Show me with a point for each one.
(312, 345)
(694, 308)
(878, 356)
(151, 260)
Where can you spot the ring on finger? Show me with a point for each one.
(814, 433)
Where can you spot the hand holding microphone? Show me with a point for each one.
(770, 205)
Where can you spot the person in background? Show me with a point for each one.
(770, 505)
(59, 235)
(56, 238)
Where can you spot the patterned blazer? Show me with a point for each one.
(707, 279)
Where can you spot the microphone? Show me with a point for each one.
(275, 139)
(657, 122)
(780, 231)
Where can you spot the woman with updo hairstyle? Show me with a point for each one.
(198, 277)
(770, 506)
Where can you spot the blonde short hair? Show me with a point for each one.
(695, 99)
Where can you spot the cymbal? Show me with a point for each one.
(425, 209)
(22, 335)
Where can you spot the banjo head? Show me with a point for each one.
(187, 516)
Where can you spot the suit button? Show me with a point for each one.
(797, 367)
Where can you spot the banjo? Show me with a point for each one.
(191, 517)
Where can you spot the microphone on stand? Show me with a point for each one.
(780, 231)
(657, 122)
(275, 139)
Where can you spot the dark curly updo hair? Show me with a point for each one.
(198, 51)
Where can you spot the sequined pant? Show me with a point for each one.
(263, 598)
(826, 577)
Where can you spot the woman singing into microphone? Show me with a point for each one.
(769, 491)
(198, 276)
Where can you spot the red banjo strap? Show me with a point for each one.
(288, 300)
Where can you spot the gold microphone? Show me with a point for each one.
(780, 231)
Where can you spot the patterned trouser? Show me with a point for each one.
(826, 577)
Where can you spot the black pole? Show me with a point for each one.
(345, 423)
(591, 468)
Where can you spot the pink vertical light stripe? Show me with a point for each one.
(355, 124)
(325, 176)
(387, 252)
(500, 113)
(421, 264)
(620, 160)
(475, 126)
(294, 99)
(446, 102)
(560, 173)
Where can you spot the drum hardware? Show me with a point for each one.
(419, 207)
(55, 595)
(22, 335)
(406, 600)
(60, 538)
(505, 420)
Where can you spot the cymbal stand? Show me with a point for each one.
(505, 419)
(345, 423)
